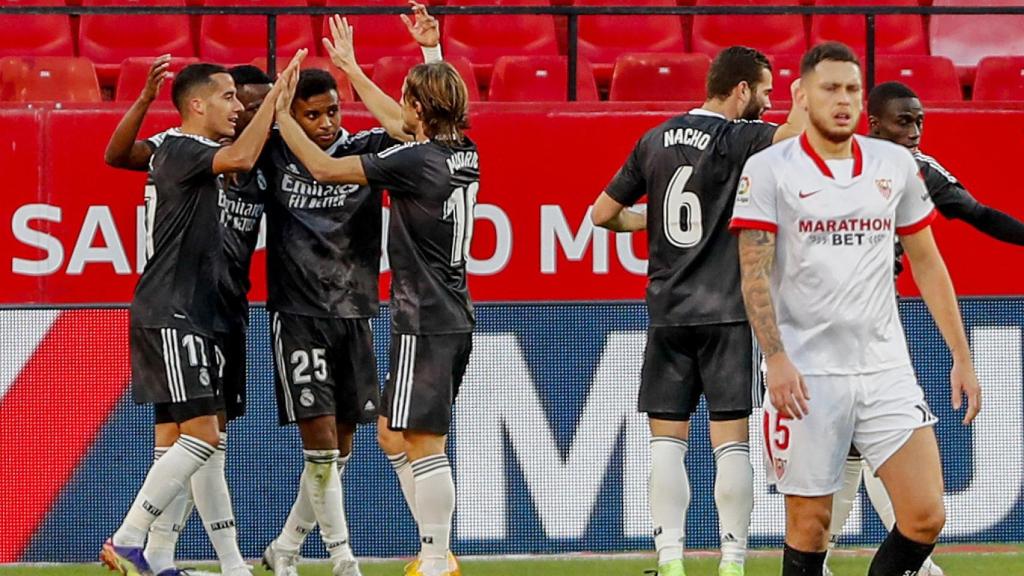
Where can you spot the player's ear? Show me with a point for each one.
(197, 106)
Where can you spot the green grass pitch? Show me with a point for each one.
(1006, 561)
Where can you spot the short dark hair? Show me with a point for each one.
(248, 74)
(881, 95)
(733, 65)
(190, 78)
(313, 82)
(834, 51)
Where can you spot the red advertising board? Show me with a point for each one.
(72, 229)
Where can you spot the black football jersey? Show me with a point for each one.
(689, 168)
(433, 190)
(241, 200)
(324, 240)
(179, 286)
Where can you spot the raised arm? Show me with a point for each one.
(797, 118)
(123, 149)
(786, 386)
(936, 288)
(608, 213)
(957, 203)
(242, 154)
(423, 28)
(321, 166)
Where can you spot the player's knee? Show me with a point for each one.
(925, 525)
(807, 525)
(391, 442)
(319, 433)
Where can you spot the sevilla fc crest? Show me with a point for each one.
(780, 467)
(885, 187)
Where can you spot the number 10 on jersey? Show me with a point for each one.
(460, 207)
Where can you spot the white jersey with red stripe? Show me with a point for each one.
(835, 223)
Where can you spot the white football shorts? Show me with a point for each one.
(876, 413)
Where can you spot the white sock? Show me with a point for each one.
(165, 480)
(164, 532)
(734, 498)
(842, 501)
(210, 490)
(300, 522)
(322, 485)
(879, 497)
(435, 503)
(669, 494)
(403, 469)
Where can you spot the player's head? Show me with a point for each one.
(252, 86)
(831, 84)
(205, 94)
(744, 76)
(316, 106)
(896, 114)
(434, 98)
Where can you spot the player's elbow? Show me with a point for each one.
(602, 216)
(114, 160)
(321, 172)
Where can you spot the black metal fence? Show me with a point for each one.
(572, 14)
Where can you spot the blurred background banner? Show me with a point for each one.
(548, 450)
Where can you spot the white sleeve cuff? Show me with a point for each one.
(431, 54)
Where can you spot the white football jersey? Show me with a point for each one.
(833, 282)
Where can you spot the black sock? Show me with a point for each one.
(899, 555)
(797, 563)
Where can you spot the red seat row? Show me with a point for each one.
(107, 40)
(636, 77)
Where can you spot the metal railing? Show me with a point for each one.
(572, 14)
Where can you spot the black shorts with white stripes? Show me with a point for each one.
(324, 367)
(172, 365)
(717, 360)
(426, 372)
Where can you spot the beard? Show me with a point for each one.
(835, 134)
(753, 111)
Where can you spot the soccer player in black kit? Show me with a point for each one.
(895, 113)
(241, 203)
(699, 341)
(432, 184)
(174, 313)
(323, 265)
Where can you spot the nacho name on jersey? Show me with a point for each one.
(305, 193)
(687, 137)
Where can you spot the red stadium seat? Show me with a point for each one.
(775, 34)
(967, 39)
(932, 77)
(108, 39)
(36, 34)
(345, 93)
(389, 74)
(135, 71)
(668, 77)
(785, 69)
(602, 39)
(540, 79)
(375, 36)
(484, 39)
(48, 78)
(1000, 78)
(902, 34)
(236, 39)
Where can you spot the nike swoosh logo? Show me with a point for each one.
(808, 194)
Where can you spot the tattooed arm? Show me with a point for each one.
(786, 386)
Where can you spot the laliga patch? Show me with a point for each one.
(743, 191)
(884, 187)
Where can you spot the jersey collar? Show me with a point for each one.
(340, 141)
(858, 157)
(703, 112)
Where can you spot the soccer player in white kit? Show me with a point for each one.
(816, 217)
